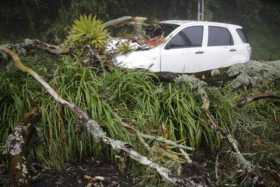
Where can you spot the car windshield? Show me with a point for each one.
(162, 29)
(168, 28)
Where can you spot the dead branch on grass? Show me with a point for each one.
(95, 129)
(262, 96)
(199, 85)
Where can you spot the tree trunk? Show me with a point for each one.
(16, 145)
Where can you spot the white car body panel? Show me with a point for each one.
(182, 61)
(192, 59)
(146, 59)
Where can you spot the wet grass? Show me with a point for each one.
(141, 100)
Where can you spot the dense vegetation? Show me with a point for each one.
(260, 18)
(172, 110)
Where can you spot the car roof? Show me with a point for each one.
(175, 22)
(183, 22)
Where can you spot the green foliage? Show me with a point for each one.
(55, 17)
(87, 30)
(167, 110)
(124, 48)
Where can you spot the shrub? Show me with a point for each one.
(87, 30)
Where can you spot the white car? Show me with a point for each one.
(190, 47)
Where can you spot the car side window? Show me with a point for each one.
(242, 35)
(188, 37)
(219, 36)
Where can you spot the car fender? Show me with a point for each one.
(144, 59)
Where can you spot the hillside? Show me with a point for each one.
(70, 116)
(260, 18)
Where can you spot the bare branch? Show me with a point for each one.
(153, 138)
(16, 145)
(199, 86)
(52, 49)
(244, 163)
(97, 132)
(124, 19)
(37, 44)
(261, 96)
(118, 21)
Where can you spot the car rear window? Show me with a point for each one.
(242, 35)
(219, 36)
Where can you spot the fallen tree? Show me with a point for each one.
(201, 86)
(96, 130)
(62, 49)
(16, 149)
(248, 75)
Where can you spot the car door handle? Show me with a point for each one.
(199, 52)
(232, 50)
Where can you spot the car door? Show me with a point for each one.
(184, 51)
(242, 47)
(220, 48)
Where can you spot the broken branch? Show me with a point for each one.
(96, 130)
(153, 138)
(118, 21)
(124, 19)
(249, 99)
(199, 86)
(16, 145)
(37, 44)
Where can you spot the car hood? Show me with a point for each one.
(143, 59)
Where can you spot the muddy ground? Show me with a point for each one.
(88, 173)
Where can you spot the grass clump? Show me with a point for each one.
(138, 98)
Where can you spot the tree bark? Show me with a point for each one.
(95, 129)
(16, 146)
